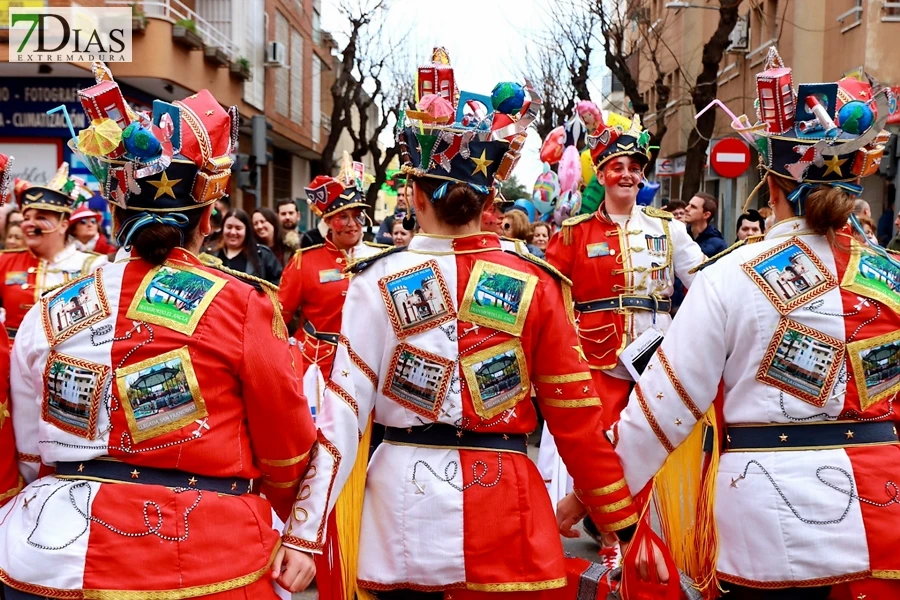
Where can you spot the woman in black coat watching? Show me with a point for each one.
(240, 252)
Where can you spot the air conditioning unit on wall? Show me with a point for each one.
(276, 54)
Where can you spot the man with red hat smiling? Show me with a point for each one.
(84, 227)
(49, 258)
(314, 282)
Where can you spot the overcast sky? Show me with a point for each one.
(486, 40)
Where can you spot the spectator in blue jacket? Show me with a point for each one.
(699, 216)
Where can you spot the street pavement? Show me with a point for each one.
(583, 547)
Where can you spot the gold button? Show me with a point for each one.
(339, 260)
(31, 269)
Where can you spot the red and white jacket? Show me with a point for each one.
(455, 330)
(801, 333)
(180, 367)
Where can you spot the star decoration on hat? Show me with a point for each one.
(481, 164)
(834, 165)
(164, 185)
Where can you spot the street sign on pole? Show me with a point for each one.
(730, 158)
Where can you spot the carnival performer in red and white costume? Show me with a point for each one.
(148, 395)
(441, 342)
(803, 329)
(314, 283)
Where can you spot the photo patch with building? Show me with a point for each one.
(802, 362)
(417, 299)
(175, 297)
(876, 366)
(790, 275)
(497, 378)
(498, 297)
(74, 307)
(418, 380)
(160, 394)
(73, 389)
(874, 276)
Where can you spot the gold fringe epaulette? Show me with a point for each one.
(712, 259)
(358, 266)
(376, 245)
(652, 211)
(5, 251)
(210, 261)
(297, 258)
(568, 224)
(270, 290)
(542, 264)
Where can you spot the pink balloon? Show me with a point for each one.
(570, 170)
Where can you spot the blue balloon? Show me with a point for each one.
(647, 193)
(525, 206)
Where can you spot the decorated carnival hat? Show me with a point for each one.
(824, 133)
(62, 194)
(328, 195)
(5, 176)
(619, 136)
(462, 137)
(172, 160)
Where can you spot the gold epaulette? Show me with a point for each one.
(568, 224)
(4, 251)
(209, 260)
(297, 257)
(302, 250)
(358, 266)
(270, 290)
(376, 245)
(652, 211)
(724, 252)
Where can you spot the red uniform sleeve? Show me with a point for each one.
(10, 480)
(282, 432)
(290, 293)
(573, 410)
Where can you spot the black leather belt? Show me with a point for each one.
(440, 435)
(331, 338)
(113, 471)
(822, 435)
(659, 305)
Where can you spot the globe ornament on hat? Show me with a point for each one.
(478, 145)
(328, 195)
(62, 194)
(174, 159)
(619, 137)
(822, 134)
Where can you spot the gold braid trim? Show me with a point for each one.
(287, 462)
(188, 592)
(567, 226)
(13, 491)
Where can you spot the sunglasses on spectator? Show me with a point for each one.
(89, 221)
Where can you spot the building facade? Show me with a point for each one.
(821, 40)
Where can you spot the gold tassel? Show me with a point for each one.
(567, 235)
(349, 517)
(685, 501)
(278, 326)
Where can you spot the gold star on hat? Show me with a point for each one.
(481, 164)
(834, 166)
(164, 185)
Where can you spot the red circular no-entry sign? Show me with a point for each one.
(730, 157)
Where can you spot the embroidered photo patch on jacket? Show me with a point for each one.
(802, 362)
(160, 394)
(175, 297)
(871, 275)
(876, 366)
(73, 389)
(790, 275)
(417, 299)
(74, 307)
(418, 380)
(498, 297)
(497, 378)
